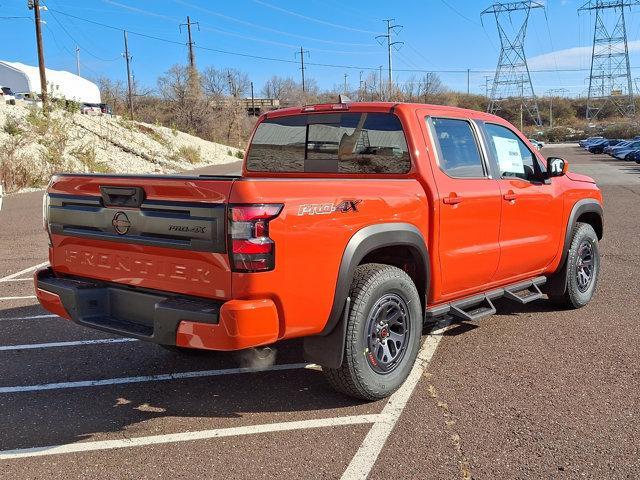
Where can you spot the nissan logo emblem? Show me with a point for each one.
(121, 223)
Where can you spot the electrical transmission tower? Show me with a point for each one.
(512, 78)
(610, 78)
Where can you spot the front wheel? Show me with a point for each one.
(583, 268)
(383, 333)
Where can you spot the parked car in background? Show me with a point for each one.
(610, 148)
(106, 109)
(584, 143)
(623, 153)
(536, 143)
(634, 156)
(91, 109)
(7, 95)
(601, 145)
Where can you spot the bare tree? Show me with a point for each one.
(180, 87)
(431, 85)
(214, 83)
(112, 92)
(238, 82)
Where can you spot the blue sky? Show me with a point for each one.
(440, 35)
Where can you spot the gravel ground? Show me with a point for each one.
(530, 392)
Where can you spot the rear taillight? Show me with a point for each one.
(250, 248)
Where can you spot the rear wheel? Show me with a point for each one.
(583, 268)
(383, 333)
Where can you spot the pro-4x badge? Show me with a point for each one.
(344, 206)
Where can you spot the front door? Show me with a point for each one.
(469, 201)
(531, 207)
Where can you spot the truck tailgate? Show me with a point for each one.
(154, 232)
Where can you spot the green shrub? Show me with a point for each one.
(12, 127)
(240, 154)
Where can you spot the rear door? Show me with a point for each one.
(154, 232)
(470, 206)
(532, 208)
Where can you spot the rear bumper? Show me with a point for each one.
(159, 317)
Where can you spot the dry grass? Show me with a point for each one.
(189, 154)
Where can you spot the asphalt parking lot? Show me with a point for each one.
(528, 393)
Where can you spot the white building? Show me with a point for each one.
(21, 78)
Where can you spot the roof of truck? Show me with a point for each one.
(378, 106)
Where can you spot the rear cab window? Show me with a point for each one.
(349, 143)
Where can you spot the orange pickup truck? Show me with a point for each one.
(351, 225)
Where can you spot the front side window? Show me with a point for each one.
(513, 156)
(458, 151)
(330, 143)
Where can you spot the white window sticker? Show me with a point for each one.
(509, 156)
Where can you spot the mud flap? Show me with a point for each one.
(328, 350)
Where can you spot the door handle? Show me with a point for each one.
(510, 196)
(452, 199)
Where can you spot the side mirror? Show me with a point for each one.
(556, 167)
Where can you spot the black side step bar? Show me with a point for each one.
(481, 305)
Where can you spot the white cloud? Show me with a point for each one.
(569, 58)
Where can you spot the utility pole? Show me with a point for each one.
(35, 6)
(302, 53)
(345, 83)
(391, 30)
(127, 57)
(253, 104)
(521, 104)
(78, 60)
(380, 80)
(487, 78)
(360, 87)
(552, 92)
(190, 43)
(468, 81)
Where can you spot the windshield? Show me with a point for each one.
(330, 143)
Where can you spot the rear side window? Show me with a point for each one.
(457, 147)
(330, 143)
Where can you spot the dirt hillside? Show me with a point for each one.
(32, 147)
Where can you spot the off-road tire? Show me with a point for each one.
(356, 377)
(575, 297)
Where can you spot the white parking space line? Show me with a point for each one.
(22, 272)
(32, 317)
(17, 280)
(33, 346)
(188, 436)
(366, 456)
(154, 378)
(24, 297)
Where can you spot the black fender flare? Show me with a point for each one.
(557, 283)
(327, 347)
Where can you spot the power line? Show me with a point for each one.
(269, 29)
(316, 64)
(457, 12)
(312, 19)
(76, 41)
